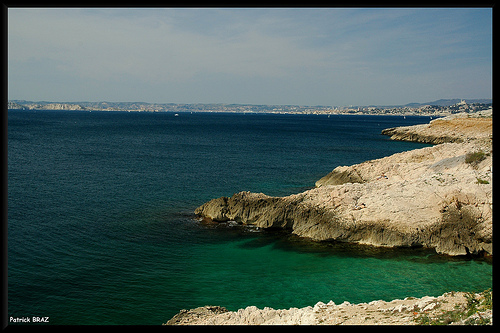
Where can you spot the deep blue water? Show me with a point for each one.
(101, 227)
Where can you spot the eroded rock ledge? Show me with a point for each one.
(438, 197)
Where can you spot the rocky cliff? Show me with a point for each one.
(438, 197)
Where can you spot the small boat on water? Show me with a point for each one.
(176, 115)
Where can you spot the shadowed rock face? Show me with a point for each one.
(434, 197)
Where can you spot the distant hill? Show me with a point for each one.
(448, 102)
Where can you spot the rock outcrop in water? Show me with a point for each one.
(438, 197)
(460, 127)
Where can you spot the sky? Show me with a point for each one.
(274, 56)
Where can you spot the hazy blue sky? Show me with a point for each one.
(319, 56)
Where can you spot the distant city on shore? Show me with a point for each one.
(440, 107)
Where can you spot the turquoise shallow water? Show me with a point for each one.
(101, 227)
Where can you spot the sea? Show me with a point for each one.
(102, 231)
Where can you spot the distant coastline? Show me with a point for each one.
(439, 108)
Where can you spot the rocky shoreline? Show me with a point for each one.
(437, 197)
(455, 308)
